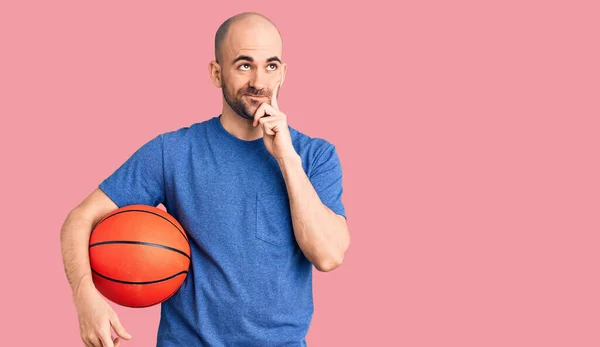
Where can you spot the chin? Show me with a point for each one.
(245, 115)
(248, 112)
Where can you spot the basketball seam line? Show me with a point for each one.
(139, 282)
(126, 242)
(134, 210)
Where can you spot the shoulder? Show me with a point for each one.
(184, 134)
(310, 146)
(314, 151)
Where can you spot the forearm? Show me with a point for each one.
(321, 234)
(74, 241)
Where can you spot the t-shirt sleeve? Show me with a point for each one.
(326, 178)
(140, 179)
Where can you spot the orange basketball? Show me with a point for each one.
(139, 254)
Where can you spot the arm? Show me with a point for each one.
(75, 237)
(139, 180)
(322, 234)
(94, 313)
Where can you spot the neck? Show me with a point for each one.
(239, 126)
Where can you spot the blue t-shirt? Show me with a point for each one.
(249, 284)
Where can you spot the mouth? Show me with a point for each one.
(255, 96)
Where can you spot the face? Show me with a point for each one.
(251, 69)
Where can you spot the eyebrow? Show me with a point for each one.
(250, 59)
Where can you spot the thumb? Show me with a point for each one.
(116, 324)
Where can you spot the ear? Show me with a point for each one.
(214, 70)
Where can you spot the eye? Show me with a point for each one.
(241, 67)
(274, 66)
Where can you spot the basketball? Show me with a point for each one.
(139, 255)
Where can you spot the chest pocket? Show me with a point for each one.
(274, 219)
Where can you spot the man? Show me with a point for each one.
(260, 201)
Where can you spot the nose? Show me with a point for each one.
(258, 80)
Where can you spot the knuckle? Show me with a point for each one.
(99, 330)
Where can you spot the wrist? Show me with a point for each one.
(84, 284)
(291, 159)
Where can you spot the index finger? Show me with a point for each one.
(106, 339)
(274, 97)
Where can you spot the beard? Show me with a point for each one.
(243, 107)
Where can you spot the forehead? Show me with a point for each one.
(257, 41)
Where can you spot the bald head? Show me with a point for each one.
(241, 23)
(248, 63)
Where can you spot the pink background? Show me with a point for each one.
(468, 133)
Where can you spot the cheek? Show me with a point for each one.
(231, 89)
(236, 83)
